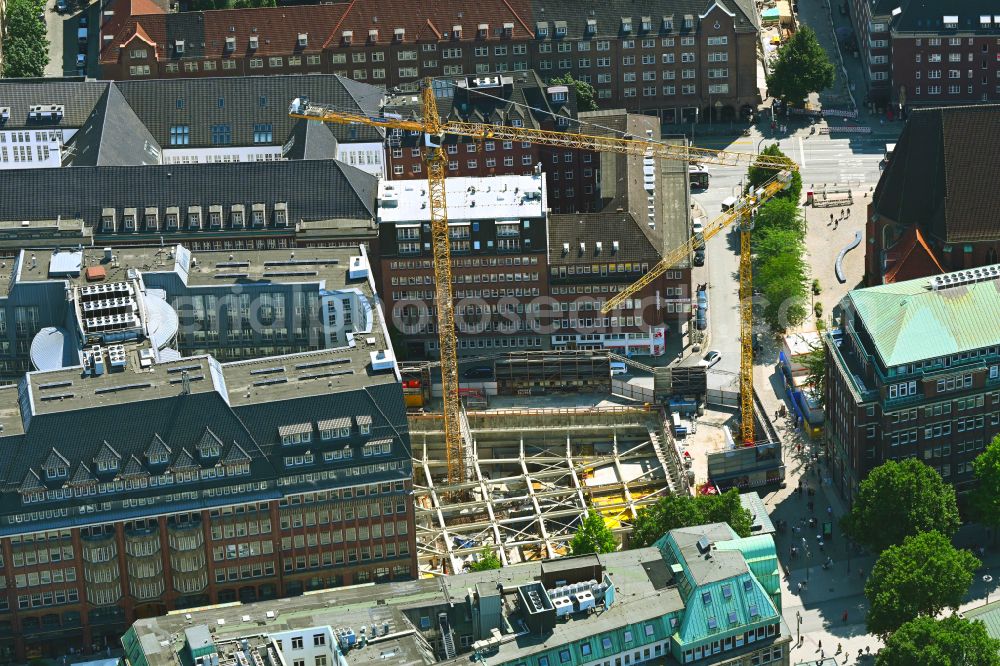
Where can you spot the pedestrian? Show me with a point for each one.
(829, 510)
(868, 649)
(819, 644)
(799, 588)
(840, 648)
(860, 652)
(861, 574)
(844, 617)
(831, 218)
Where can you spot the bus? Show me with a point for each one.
(699, 177)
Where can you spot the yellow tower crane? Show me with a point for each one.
(434, 130)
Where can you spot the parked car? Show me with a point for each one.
(697, 227)
(62, 6)
(478, 372)
(699, 257)
(618, 368)
(711, 358)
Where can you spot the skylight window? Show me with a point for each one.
(706, 597)
(713, 623)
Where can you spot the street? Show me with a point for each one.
(823, 160)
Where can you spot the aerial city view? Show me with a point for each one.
(509, 332)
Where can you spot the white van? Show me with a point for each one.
(618, 368)
(728, 203)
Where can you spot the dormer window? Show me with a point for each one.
(237, 217)
(456, 31)
(647, 24)
(950, 21)
(257, 215)
(399, 34)
(57, 472)
(365, 428)
(179, 46)
(171, 219)
(508, 29)
(194, 217)
(280, 214)
(128, 221)
(107, 465)
(303, 40)
(210, 451)
(591, 26)
(484, 30)
(668, 23)
(560, 28)
(542, 30)
(158, 459)
(347, 36)
(230, 44)
(626, 24)
(254, 42)
(373, 35)
(108, 220)
(293, 435)
(151, 219)
(688, 22)
(215, 217)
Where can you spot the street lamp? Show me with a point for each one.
(693, 122)
(987, 579)
(759, 143)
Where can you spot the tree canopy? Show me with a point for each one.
(901, 499)
(946, 642)
(586, 97)
(985, 497)
(25, 48)
(814, 362)
(780, 274)
(673, 511)
(923, 576)
(802, 67)
(593, 536)
(758, 175)
(487, 560)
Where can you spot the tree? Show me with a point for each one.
(758, 175)
(487, 560)
(814, 362)
(25, 49)
(780, 275)
(586, 97)
(673, 511)
(901, 499)
(923, 576)
(593, 536)
(985, 497)
(779, 214)
(802, 67)
(946, 642)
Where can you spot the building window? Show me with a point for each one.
(180, 135)
(263, 133)
(221, 135)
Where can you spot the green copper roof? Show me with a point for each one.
(725, 608)
(988, 615)
(909, 321)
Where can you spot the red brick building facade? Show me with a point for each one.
(666, 60)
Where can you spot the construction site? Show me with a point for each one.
(532, 475)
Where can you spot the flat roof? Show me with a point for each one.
(641, 593)
(493, 197)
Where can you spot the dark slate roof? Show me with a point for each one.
(310, 140)
(314, 189)
(78, 97)
(926, 16)
(243, 102)
(112, 136)
(574, 228)
(609, 15)
(522, 96)
(942, 175)
(121, 431)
